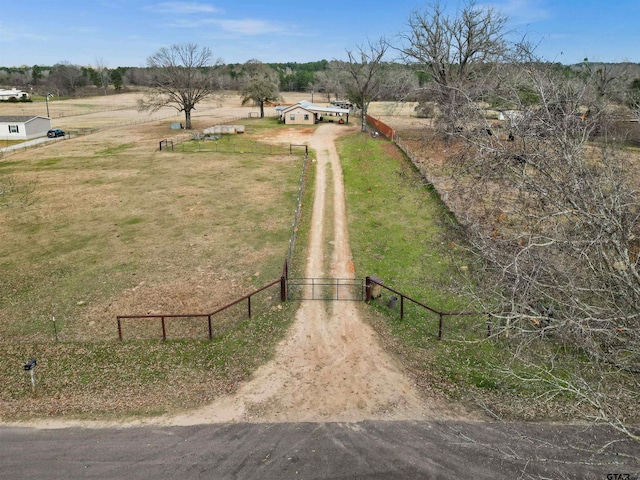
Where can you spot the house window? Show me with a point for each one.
(306, 116)
(13, 129)
(292, 116)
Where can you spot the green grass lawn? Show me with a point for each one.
(400, 231)
(241, 143)
(102, 380)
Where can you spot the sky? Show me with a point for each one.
(126, 32)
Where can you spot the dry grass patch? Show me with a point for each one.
(120, 228)
(113, 226)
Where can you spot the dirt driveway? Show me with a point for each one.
(331, 366)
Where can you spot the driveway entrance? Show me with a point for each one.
(346, 289)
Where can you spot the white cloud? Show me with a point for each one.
(84, 29)
(182, 8)
(202, 17)
(523, 11)
(16, 33)
(180, 23)
(244, 27)
(247, 26)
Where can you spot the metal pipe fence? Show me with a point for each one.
(369, 295)
(296, 215)
(333, 289)
(163, 317)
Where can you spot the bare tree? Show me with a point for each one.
(323, 84)
(66, 78)
(633, 101)
(554, 218)
(456, 52)
(262, 85)
(332, 81)
(365, 69)
(103, 75)
(182, 76)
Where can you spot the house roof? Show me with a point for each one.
(297, 105)
(312, 107)
(20, 118)
(318, 108)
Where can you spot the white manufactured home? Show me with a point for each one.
(13, 94)
(21, 127)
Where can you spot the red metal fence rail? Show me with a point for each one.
(208, 316)
(382, 127)
(370, 281)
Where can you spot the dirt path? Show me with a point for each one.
(331, 366)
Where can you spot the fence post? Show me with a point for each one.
(283, 289)
(119, 330)
(249, 305)
(440, 327)
(367, 288)
(401, 307)
(283, 280)
(210, 330)
(164, 331)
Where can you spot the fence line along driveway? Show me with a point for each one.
(28, 144)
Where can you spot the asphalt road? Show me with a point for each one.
(368, 450)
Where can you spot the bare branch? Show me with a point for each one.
(365, 70)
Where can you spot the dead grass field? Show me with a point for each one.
(71, 114)
(113, 226)
(104, 224)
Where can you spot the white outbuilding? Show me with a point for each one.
(22, 127)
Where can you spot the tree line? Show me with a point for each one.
(69, 79)
(325, 78)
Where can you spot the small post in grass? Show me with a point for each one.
(30, 367)
(55, 328)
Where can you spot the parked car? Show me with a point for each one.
(56, 132)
